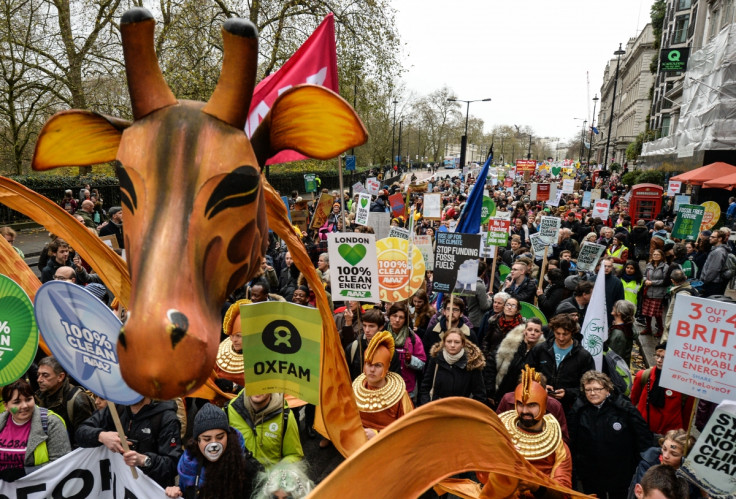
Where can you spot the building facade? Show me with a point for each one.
(632, 98)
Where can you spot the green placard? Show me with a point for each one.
(687, 223)
(528, 311)
(310, 182)
(488, 210)
(18, 331)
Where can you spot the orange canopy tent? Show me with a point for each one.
(727, 182)
(705, 173)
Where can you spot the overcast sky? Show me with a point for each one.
(529, 56)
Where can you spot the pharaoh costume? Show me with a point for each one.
(229, 362)
(544, 449)
(380, 407)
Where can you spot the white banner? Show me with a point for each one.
(533, 192)
(432, 205)
(358, 187)
(700, 359)
(708, 466)
(595, 324)
(486, 250)
(601, 208)
(568, 185)
(673, 187)
(381, 222)
(539, 245)
(372, 186)
(589, 255)
(424, 244)
(595, 194)
(549, 229)
(363, 209)
(399, 232)
(353, 266)
(96, 472)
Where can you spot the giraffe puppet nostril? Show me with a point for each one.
(178, 326)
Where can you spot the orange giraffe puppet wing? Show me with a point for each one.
(13, 266)
(336, 401)
(440, 439)
(108, 265)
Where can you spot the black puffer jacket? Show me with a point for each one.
(155, 429)
(568, 374)
(464, 378)
(607, 443)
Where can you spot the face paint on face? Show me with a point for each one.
(213, 451)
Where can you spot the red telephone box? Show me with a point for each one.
(645, 202)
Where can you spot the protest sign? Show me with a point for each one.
(486, 250)
(710, 464)
(543, 192)
(487, 210)
(525, 165)
(82, 333)
(398, 209)
(508, 182)
(595, 194)
(601, 208)
(424, 245)
(281, 349)
(555, 201)
(549, 229)
(362, 209)
(398, 279)
(673, 187)
(539, 245)
(322, 211)
(687, 223)
(589, 255)
(711, 216)
(399, 232)
(533, 191)
(310, 182)
(432, 205)
(553, 191)
(87, 472)
(372, 186)
(452, 251)
(381, 223)
(18, 331)
(498, 232)
(358, 188)
(681, 199)
(586, 199)
(353, 268)
(700, 358)
(568, 185)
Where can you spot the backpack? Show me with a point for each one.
(618, 370)
(730, 271)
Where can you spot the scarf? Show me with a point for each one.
(626, 277)
(451, 359)
(656, 394)
(400, 336)
(507, 325)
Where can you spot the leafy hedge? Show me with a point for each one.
(643, 177)
(74, 182)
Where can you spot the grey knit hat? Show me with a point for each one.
(209, 417)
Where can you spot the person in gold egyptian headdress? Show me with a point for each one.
(536, 435)
(380, 394)
(229, 363)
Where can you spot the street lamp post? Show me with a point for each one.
(618, 53)
(464, 140)
(529, 151)
(582, 139)
(592, 125)
(393, 138)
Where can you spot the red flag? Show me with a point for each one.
(314, 62)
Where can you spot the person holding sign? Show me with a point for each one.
(216, 449)
(380, 394)
(30, 436)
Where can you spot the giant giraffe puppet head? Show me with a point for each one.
(192, 194)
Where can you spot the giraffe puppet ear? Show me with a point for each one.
(78, 138)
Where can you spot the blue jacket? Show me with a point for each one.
(188, 467)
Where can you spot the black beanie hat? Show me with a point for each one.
(209, 417)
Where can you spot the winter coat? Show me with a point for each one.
(264, 433)
(568, 374)
(606, 443)
(526, 291)
(684, 289)
(464, 378)
(621, 340)
(478, 304)
(553, 295)
(287, 281)
(436, 329)
(414, 346)
(55, 439)
(639, 242)
(502, 370)
(658, 288)
(81, 405)
(155, 429)
(715, 264)
(676, 408)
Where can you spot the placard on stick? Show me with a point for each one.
(353, 267)
(589, 255)
(453, 250)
